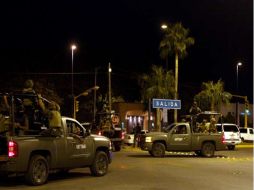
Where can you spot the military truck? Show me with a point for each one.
(108, 125)
(33, 154)
(181, 137)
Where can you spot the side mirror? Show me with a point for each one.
(87, 133)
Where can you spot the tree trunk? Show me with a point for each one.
(176, 84)
(212, 104)
(158, 120)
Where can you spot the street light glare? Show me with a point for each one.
(164, 26)
(73, 47)
(239, 64)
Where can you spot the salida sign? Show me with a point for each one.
(166, 103)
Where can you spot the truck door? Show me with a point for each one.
(78, 147)
(179, 138)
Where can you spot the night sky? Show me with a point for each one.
(35, 37)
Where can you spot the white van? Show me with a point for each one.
(231, 134)
(246, 134)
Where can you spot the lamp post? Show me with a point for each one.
(94, 95)
(85, 93)
(237, 91)
(109, 87)
(73, 47)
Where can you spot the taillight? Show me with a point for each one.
(122, 135)
(223, 139)
(12, 149)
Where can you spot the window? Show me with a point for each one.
(74, 128)
(229, 128)
(243, 130)
(181, 129)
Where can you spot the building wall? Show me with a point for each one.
(130, 114)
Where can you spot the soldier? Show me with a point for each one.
(54, 119)
(212, 126)
(32, 103)
(137, 131)
(194, 111)
(203, 126)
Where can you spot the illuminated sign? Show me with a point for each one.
(167, 103)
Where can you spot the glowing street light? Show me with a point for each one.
(164, 26)
(237, 112)
(73, 47)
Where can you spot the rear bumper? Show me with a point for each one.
(232, 142)
(7, 168)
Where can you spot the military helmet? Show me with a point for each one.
(29, 83)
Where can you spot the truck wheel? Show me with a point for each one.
(100, 164)
(208, 149)
(231, 147)
(158, 150)
(38, 171)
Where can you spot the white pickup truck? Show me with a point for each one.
(246, 134)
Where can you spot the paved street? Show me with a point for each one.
(133, 169)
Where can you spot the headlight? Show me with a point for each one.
(148, 139)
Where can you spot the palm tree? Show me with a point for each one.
(213, 94)
(175, 41)
(160, 84)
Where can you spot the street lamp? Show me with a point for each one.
(237, 91)
(109, 87)
(85, 93)
(73, 47)
(164, 26)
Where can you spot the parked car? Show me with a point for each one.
(246, 134)
(231, 134)
(129, 137)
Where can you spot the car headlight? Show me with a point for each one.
(148, 139)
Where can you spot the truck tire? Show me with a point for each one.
(158, 150)
(38, 171)
(100, 164)
(231, 147)
(208, 149)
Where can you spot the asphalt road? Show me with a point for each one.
(133, 169)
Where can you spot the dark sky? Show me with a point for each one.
(35, 37)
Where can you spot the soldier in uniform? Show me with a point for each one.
(203, 127)
(137, 131)
(194, 111)
(212, 126)
(54, 120)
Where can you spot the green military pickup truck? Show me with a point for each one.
(36, 153)
(180, 137)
